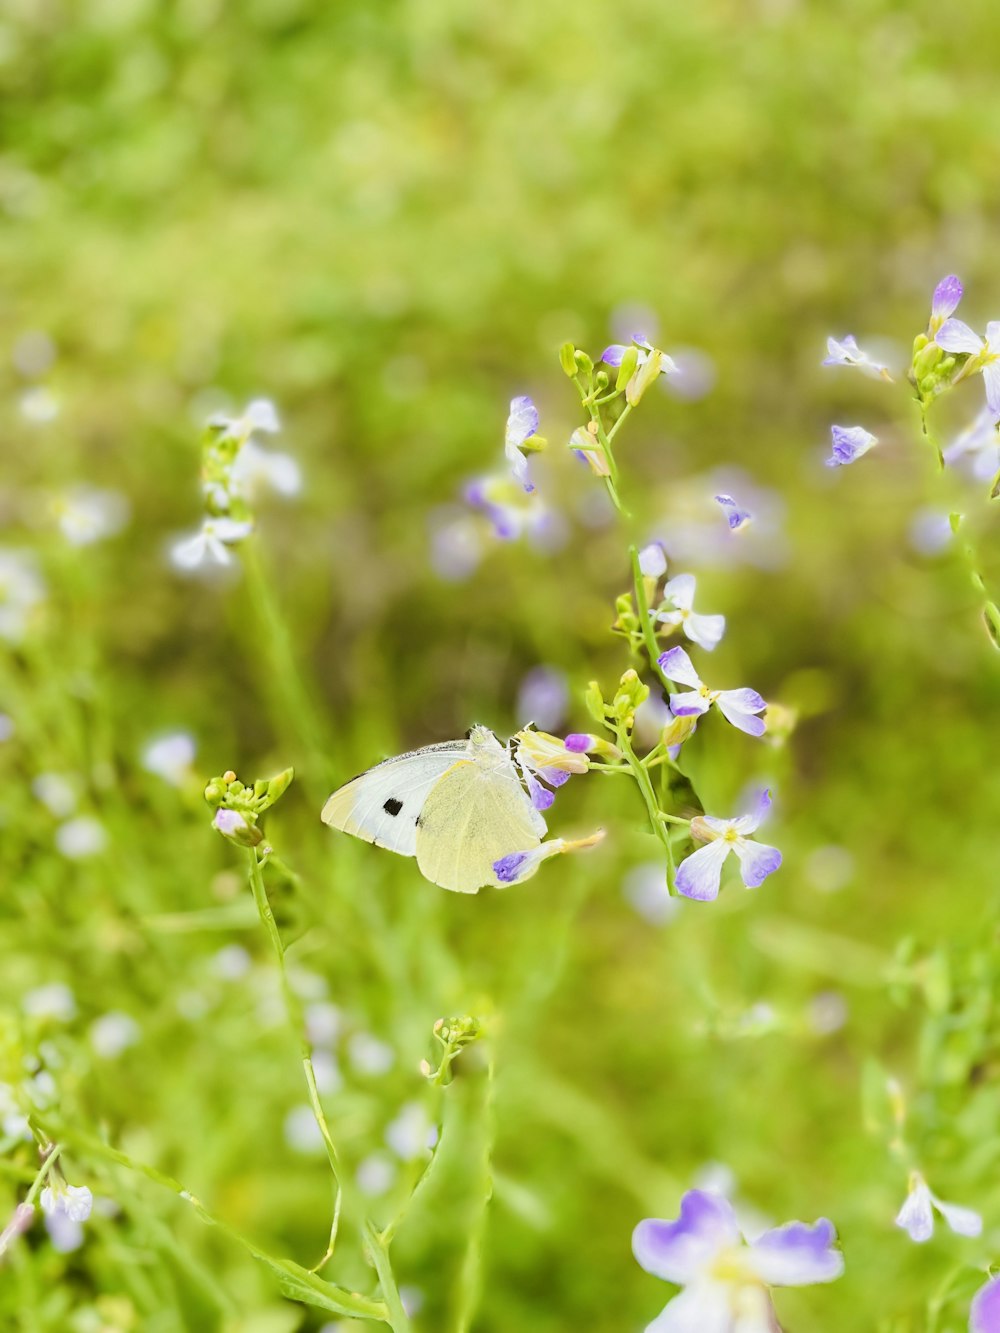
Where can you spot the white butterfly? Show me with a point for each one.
(458, 807)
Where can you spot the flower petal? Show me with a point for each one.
(751, 822)
(849, 443)
(698, 875)
(679, 1251)
(676, 665)
(522, 422)
(954, 336)
(757, 861)
(612, 356)
(916, 1217)
(739, 707)
(652, 561)
(796, 1255)
(963, 1221)
(705, 631)
(947, 295)
(689, 704)
(984, 1317)
(680, 591)
(702, 1308)
(991, 379)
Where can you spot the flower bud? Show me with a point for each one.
(567, 359)
(626, 370)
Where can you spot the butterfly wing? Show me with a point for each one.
(382, 806)
(473, 816)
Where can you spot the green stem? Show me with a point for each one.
(399, 1320)
(642, 610)
(296, 1020)
(43, 1173)
(470, 1277)
(648, 795)
(351, 1303)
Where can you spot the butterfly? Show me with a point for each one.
(458, 807)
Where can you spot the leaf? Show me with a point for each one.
(991, 618)
(298, 1284)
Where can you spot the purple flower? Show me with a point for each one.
(542, 756)
(650, 365)
(978, 446)
(944, 303)
(678, 599)
(725, 1281)
(735, 516)
(916, 1217)
(522, 424)
(699, 874)
(846, 352)
(984, 1317)
(954, 336)
(518, 866)
(849, 443)
(736, 706)
(229, 822)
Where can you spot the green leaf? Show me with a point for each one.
(298, 1284)
(991, 618)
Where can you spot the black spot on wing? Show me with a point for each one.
(392, 806)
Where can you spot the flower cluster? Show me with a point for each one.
(238, 807)
(234, 467)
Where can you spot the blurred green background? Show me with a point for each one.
(386, 218)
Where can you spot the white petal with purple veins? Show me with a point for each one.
(689, 704)
(613, 355)
(522, 422)
(680, 1251)
(963, 1221)
(955, 336)
(652, 561)
(699, 874)
(991, 379)
(703, 1308)
(916, 1217)
(757, 861)
(796, 1255)
(676, 665)
(947, 295)
(739, 707)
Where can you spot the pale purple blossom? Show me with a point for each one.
(916, 1217)
(724, 1279)
(735, 516)
(977, 446)
(737, 706)
(229, 822)
(984, 1316)
(678, 599)
(651, 363)
(522, 424)
(518, 866)
(944, 303)
(652, 561)
(849, 443)
(955, 336)
(699, 875)
(72, 1201)
(846, 352)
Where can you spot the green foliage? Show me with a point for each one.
(389, 219)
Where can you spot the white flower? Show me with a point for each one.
(55, 1001)
(113, 1033)
(846, 352)
(260, 414)
(86, 514)
(232, 962)
(368, 1055)
(645, 888)
(81, 837)
(56, 792)
(376, 1175)
(323, 1023)
(39, 404)
(302, 1134)
(984, 353)
(652, 561)
(678, 599)
(72, 1201)
(211, 543)
(256, 469)
(411, 1133)
(916, 1217)
(170, 757)
(22, 589)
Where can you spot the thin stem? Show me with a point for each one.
(646, 787)
(642, 610)
(471, 1272)
(626, 413)
(399, 1320)
(43, 1173)
(296, 1020)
